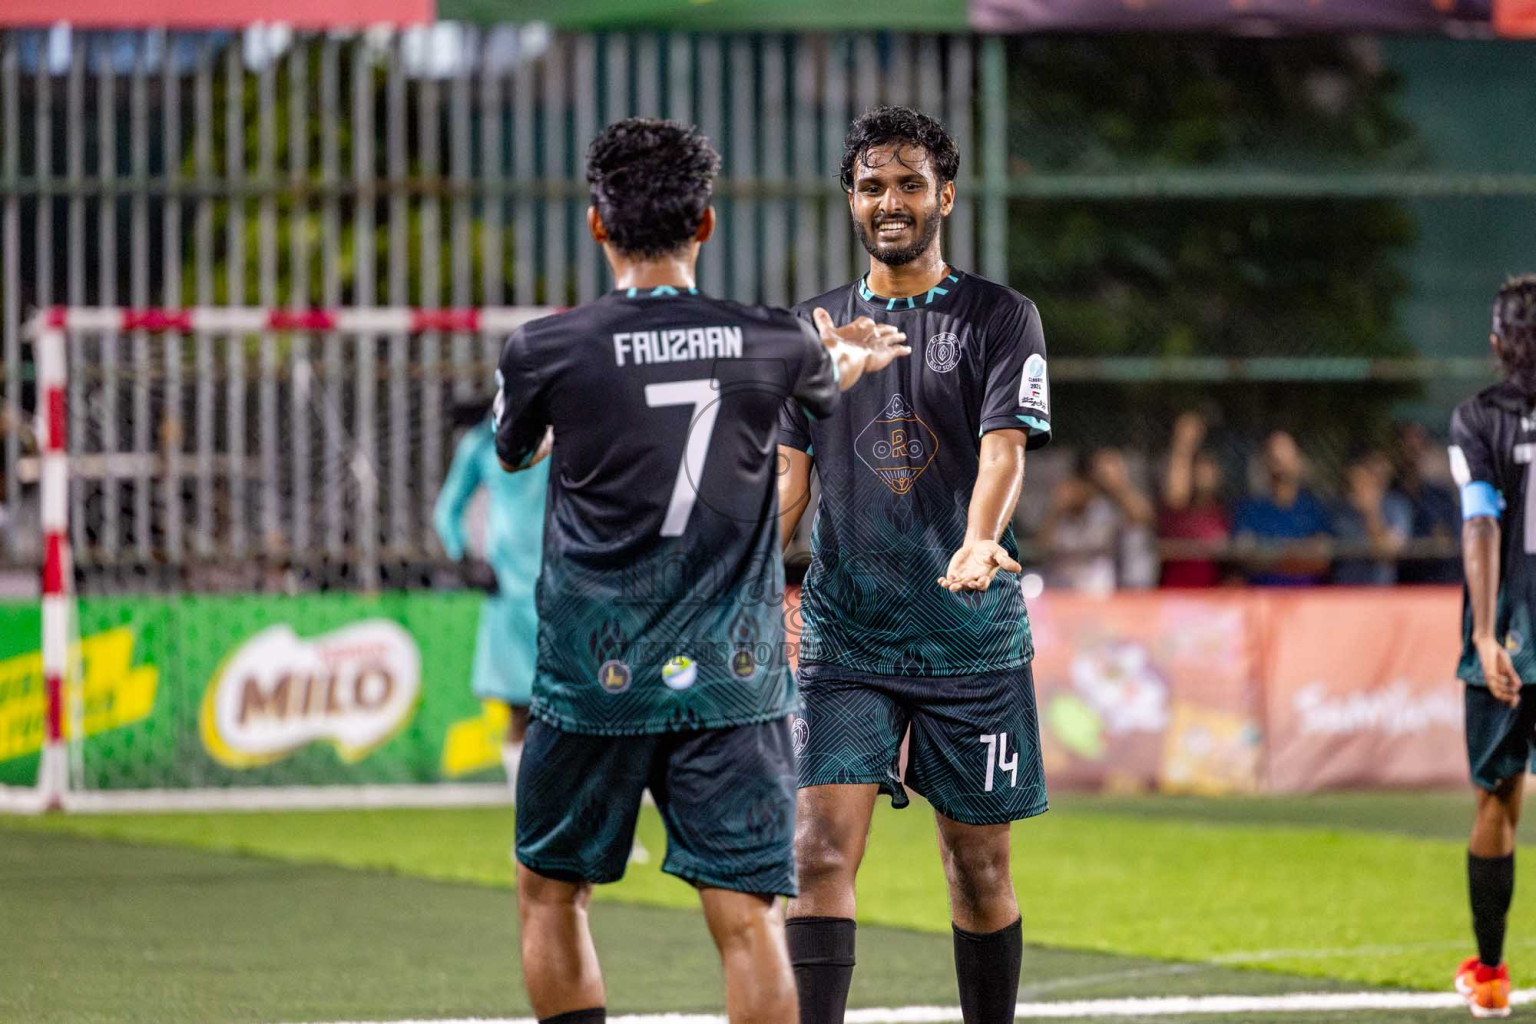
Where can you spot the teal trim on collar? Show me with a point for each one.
(661, 291)
(910, 301)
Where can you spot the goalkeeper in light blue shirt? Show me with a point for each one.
(506, 650)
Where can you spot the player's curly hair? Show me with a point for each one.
(881, 126)
(651, 182)
(1514, 324)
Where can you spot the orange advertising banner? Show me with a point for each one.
(1237, 691)
(1151, 690)
(1361, 689)
(1516, 18)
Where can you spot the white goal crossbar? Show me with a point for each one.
(48, 331)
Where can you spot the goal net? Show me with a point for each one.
(245, 602)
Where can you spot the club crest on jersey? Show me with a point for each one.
(799, 733)
(1035, 385)
(679, 673)
(743, 664)
(614, 676)
(744, 639)
(897, 445)
(942, 353)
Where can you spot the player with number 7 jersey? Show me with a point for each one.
(661, 591)
(661, 660)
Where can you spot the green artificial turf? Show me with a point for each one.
(103, 931)
(1188, 880)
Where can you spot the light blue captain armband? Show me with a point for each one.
(1478, 498)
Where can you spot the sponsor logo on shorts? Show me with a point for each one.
(614, 676)
(943, 352)
(799, 733)
(679, 673)
(1514, 643)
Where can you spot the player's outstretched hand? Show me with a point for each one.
(1499, 671)
(860, 347)
(974, 566)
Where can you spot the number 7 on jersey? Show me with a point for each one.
(702, 395)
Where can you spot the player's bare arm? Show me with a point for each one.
(999, 480)
(794, 490)
(1480, 551)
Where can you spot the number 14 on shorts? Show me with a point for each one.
(998, 759)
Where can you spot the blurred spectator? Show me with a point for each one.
(1436, 512)
(1285, 530)
(1090, 533)
(1371, 516)
(1192, 511)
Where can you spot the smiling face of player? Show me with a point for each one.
(898, 204)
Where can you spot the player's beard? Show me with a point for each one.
(899, 256)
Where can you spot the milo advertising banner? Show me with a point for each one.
(257, 691)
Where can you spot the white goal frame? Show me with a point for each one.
(48, 330)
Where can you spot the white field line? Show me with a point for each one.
(288, 798)
(1254, 956)
(1161, 1006)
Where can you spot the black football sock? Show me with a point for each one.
(1491, 881)
(821, 952)
(988, 969)
(596, 1015)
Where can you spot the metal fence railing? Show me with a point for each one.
(439, 166)
(1281, 234)
(320, 475)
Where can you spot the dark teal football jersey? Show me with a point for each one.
(1493, 441)
(897, 463)
(661, 594)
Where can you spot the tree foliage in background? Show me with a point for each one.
(1245, 277)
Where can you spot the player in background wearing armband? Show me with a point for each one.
(912, 613)
(661, 634)
(1493, 440)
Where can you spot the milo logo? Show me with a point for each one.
(354, 688)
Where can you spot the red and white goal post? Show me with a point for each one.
(51, 333)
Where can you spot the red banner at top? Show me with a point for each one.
(178, 14)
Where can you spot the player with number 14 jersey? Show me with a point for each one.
(912, 619)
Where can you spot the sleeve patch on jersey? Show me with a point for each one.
(1035, 385)
(1478, 498)
(1460, 471)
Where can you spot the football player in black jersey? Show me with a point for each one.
(912, 615)
(661, 632)
(1493, 457)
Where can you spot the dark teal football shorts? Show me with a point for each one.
(1500, 739)
(726, 796)
(975, 750)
